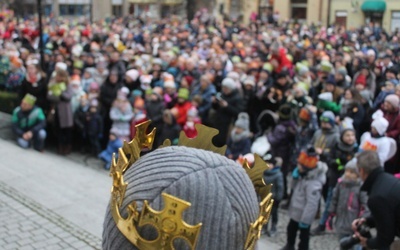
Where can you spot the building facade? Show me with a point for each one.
(307, 11)
(356, 13)
(99, 9)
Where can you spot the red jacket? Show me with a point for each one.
(282, 59)
(182, 108)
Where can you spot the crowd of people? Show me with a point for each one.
(306, 98)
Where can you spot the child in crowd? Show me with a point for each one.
(94, 91)
(341, 153)
(191, 120)
(169, 129)
(348, 202)
(80, 122)
(239, 142)
(94, 127)
(114, 143)
(88, 78)
(377, 141)
(309, 176)
(121, 114)
(77, 92)
(275, 177)
(182, 107)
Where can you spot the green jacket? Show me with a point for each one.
(33, 120)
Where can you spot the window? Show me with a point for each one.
(395, 21)
(72, 9)
(117, 10)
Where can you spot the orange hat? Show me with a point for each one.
(308, 159)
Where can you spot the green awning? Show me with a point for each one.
(373, 6)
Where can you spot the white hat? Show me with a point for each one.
(169, 84)
(327, 96)
(381, 125)
(133, 74)
(62, 66)
(229, 83)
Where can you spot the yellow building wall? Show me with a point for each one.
(391, 5)
(314, 11)
(283, 7)
(249, 6)
(355, 17)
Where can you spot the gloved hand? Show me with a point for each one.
(303, 225)
(340, 166)
(295, 173)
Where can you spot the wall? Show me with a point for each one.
(283, 7)
(391, 5)
(355, 17)
(101, 9)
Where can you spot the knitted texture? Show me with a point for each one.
(221, 194)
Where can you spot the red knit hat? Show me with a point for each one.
(361, 79)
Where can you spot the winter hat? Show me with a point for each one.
(328, 117)
(78, 64)
(342, 71)
(133, 74)
(183, 93)
(326, 66)
(268, 67)
(308, 158)
(62, 66)
(76, 80)
(214, 182)
(243, 121)
(326, 96)
(395, 82)
(361, 79)
(229, 83)
(249, 81)
(136, 93)
(94, 86)
(305, 114)
(331, 80)
(29, 99)
(285, 112)
(380, 124)
(393, 100)
(123, 93)
(352, 165)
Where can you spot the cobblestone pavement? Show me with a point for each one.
(327, 241)
(25, 224)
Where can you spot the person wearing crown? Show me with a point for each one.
(149, 194)
(28, 124)
(309, 177)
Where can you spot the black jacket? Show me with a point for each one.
(384, 203)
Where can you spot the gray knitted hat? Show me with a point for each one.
(243, 121)
(221, 194)
(229, 83)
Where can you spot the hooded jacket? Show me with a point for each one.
(307, 193)
(348, 203)
(275, 177)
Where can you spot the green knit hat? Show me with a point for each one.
(183, 93)
(78, 64)
(29, 99)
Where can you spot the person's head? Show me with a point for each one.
(213, 180)
(113, 78)
(28, 102)
(307, 160)
(131, 76)
(204, 82)
(282, 79)
(228, 86)
(242, 123)
(348, 136)
(168, 117)
(397, 90)
(361, 82)
(61, 76)
(379, 127)
(367, 161)
(183, 95)
(32, 69)
(391, 103)
(351, 172)
(327, 120)
(83, 101)
(115, 56)
(197, 100)
(391, 73)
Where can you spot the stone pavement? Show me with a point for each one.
(53, 202)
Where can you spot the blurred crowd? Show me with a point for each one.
(296, 94)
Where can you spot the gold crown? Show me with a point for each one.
(169, 222)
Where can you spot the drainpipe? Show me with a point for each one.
(329, 13)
